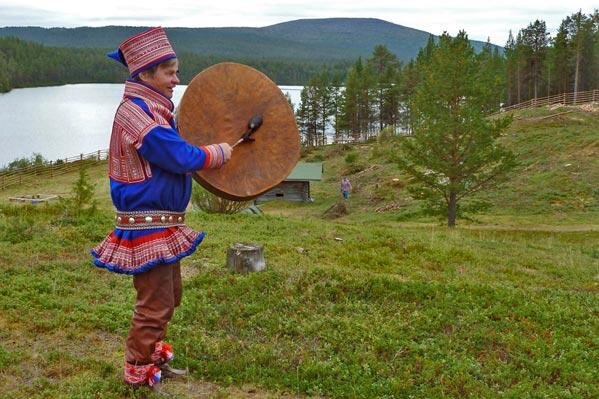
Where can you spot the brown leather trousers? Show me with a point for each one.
(158, 293)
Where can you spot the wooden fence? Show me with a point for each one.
(67, 165)
(580, 97)
(62, 166)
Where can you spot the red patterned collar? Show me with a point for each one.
(146, 93)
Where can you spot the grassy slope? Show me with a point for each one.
(554, 185)
(360, 306)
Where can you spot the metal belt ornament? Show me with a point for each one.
(148, 220)
(237, 104)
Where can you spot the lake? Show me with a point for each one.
(64, 121)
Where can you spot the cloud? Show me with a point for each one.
(28, 16)
(479, 19)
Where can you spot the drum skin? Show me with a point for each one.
(217, 106)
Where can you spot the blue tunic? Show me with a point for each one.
(150, 170)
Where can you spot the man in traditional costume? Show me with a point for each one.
(150, 168)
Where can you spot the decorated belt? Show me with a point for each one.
(148, 219)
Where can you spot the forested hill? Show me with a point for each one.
(306, 39)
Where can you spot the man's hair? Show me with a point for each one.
(152, 70)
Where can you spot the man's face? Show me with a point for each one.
(164, 79)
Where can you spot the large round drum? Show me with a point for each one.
(217, 106)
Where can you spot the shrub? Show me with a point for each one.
(81, 203)
(387, 145)
(352, 157)
(210, 203)
(17, 229)
(20, 163)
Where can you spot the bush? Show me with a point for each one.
(81, 203)
(21, 163)
(334, 150)
(20, 223)
(387, 145)
(315, 158)
(352, 157)
(210, 203)
(17, 229)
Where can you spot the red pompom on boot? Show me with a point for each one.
(163, 353)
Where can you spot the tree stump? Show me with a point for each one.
(245, 258)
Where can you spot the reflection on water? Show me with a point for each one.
(64, 121)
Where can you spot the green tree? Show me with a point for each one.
(535, 40)
(408, 81)
(317, 107)
(560, 58)
(4, 76)
(491, 77)
(356, 106)
(385, 68)
(453, 151)
(81, 202)
(409, 78)
(594, 72)
(307, 115)
(511, 69)
(580, 34)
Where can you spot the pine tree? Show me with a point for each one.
(4, 74)
(594, 70)
(561, 56)
(307, 116)
(317, 107)
(580, 34)
(535, 40)
(453, 151)
(491, 77)
(385, 69)
(355, 104)
(511, 69)
(408, 80)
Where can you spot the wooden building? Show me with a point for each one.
(296, 187)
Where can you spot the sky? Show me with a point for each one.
(480, 19)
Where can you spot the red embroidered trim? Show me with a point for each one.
(163, 353)
(131, 124)
(139, 90)
(147, 374)
(130, 255)
(215, 156)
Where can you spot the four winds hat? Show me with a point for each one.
(144, 50)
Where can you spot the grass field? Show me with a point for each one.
(368, 305)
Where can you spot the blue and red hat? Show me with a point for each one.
(144, 50)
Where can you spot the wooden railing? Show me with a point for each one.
(62, 166)
(580, 97)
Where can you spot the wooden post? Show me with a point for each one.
(244, 258)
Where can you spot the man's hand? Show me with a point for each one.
(217, 155)
(227, 151)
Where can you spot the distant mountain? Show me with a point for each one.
(306, 39)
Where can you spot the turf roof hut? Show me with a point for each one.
(296, 187)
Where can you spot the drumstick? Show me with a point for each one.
(253, 125)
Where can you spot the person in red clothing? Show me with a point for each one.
(150, 169)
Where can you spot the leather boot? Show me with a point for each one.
(169, 372)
